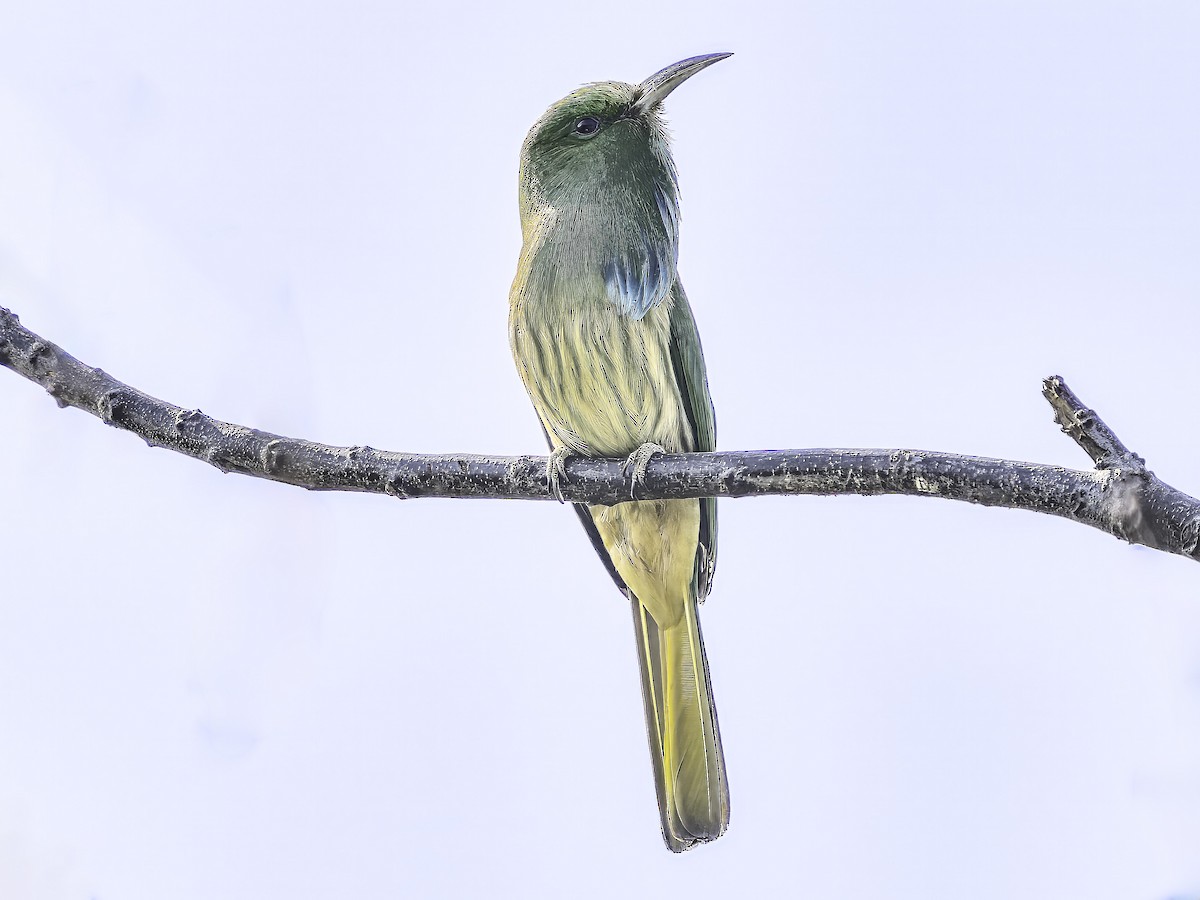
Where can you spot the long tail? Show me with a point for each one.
(685, 745)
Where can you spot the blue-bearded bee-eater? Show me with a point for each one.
(606, 344)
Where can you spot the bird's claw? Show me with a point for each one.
(556, 471)
(636, 465)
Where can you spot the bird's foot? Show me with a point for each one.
(636, 464)
(556, 471)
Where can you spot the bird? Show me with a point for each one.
(607, 347)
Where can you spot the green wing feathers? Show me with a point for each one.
(687, 358)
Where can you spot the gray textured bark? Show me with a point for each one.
(1120, 496)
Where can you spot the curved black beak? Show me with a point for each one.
(656, 88)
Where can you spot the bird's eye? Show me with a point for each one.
(587, 126)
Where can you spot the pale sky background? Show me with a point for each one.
(898, 218)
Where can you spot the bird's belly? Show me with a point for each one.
(602, 382)
(652, 544)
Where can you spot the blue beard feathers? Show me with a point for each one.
(638, 277)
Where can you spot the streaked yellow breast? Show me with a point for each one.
(601, 382)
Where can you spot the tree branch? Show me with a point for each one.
(1120, 496)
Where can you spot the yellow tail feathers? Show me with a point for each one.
(685, 745)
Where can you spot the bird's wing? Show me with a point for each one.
(687, 358)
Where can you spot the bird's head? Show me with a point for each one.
(604, 136)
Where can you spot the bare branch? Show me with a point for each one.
(1120, 497)
(1086, 428)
